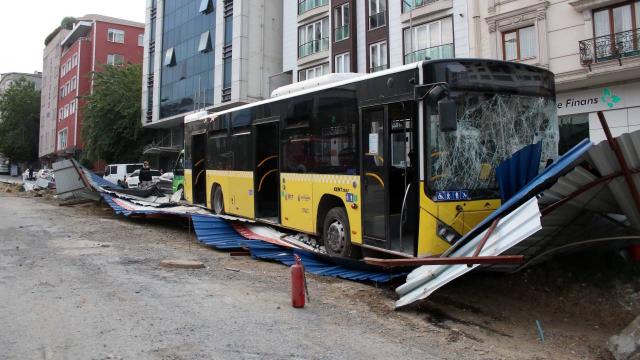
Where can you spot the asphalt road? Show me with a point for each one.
(78, 283)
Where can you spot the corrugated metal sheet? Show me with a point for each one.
(314, 264)
(216, 232)
(512, 229)
(549, 176)
(605, 211)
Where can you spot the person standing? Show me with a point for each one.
(145, 176)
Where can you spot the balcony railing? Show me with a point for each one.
(608, 47)
(444, 51)
(313, 47)
(408, 5)
(377, 20)
(342, 33)
(307, 5)
(378, 68)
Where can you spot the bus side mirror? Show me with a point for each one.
(448, 117)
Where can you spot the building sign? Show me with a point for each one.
(598, 98)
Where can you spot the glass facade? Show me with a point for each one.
(187, 82)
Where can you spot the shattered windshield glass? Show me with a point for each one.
(490, 128)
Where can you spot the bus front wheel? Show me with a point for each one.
(336, 233)
(217, 201)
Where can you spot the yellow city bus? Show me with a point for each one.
(400, 162)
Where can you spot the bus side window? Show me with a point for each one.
(336, 132)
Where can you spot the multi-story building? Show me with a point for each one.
(325, 36)
(49, 94)
(94, 41)
(591, 45)
(7, 79)
(205, 55)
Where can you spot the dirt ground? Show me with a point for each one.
(79, 282)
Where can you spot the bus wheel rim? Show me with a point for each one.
(336, 236)
(218, 201)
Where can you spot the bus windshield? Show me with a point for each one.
(491, 127)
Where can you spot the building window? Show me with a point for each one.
(74, 59)
(206, 6)
(519, 44)
(378, 56)
(115, 35)
(170, 57)
(313, 38)
(615, 30)
(140, 39)
(573, 129)
(62, 139)
(433, 40)
(205, 42)
(342, 63)
(306, 5)
(59, 114)
(408, 5)
(377, 13)
(313, 72)
(341, 20)
(72, 107)
(115, 59)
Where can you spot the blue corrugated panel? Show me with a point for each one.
(263, 250)
(119, 210)
(515, 172)
(99, 181)
(216, 232)
(549, 176)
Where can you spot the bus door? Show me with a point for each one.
(199, 161)
(267, 170)
(389, 187)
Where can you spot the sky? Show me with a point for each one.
(25, 24)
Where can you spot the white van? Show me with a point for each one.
(116, 172)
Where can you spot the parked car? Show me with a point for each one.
(117, 172)
(133, 179)
(165, 182)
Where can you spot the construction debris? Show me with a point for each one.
(626, 345)
(182, 264)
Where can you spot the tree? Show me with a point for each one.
(112, 129)
(20, 121)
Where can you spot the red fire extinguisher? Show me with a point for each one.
(298, 283)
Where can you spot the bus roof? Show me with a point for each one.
(415, 65)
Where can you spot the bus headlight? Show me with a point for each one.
(447, 234)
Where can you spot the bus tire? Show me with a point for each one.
(336, 233)
(217, 200)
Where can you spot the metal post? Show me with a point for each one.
(613, 143)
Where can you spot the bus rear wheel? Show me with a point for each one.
(336, 233)
(217, 201)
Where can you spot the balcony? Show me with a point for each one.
(307, 5)
(313, 47)
(378, 68)
(444, 51)
(610, 47)
(342, 33)
(377, 20)
(408, 5)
